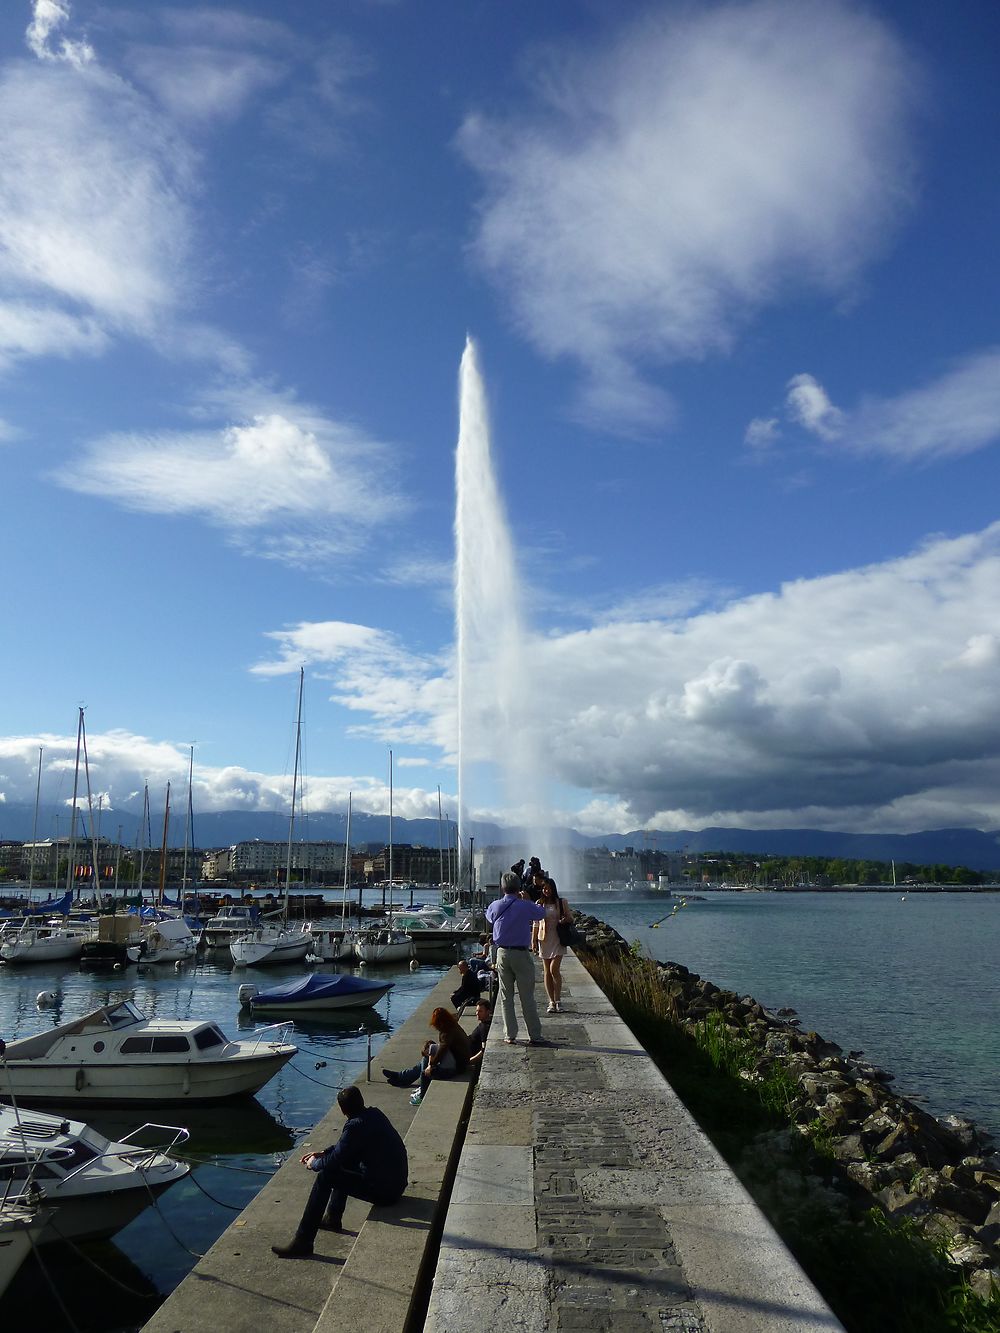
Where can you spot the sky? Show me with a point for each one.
(731, 273)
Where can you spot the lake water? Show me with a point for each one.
(114, 1286)
(913, 981)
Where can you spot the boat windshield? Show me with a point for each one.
(123, 1015)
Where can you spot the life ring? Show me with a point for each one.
(81, 1079)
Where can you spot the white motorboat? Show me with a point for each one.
(116, 1054)
(45, 941)
(167, 941)
(21, 1228)
(277, 942)
(230, 921)
(96, 1186)
(383, 946)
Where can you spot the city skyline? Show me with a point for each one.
(730, 270)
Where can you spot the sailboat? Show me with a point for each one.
(279, 942)
(43, 938)
(331, 945)
(384, 944)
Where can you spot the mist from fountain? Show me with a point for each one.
(496, 696)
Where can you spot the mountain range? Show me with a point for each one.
(951, 846)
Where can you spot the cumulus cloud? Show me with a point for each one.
(864, 700)
(762, 433)
(661, 190)
(956, 413)
(121, 762)
(289, 462)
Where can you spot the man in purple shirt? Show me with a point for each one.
(512, 918)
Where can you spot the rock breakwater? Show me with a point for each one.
(884, 1149)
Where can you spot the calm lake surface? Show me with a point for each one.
(913, 981)
(114, 1286)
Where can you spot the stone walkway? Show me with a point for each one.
(587, 1199)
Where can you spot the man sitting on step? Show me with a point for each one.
(368, 1162)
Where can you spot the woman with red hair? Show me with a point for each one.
(443, 1058)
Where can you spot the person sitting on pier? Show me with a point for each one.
(443, 1058)
(367, 1162)
(478, 1035)
(470, 986)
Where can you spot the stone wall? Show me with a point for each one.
(944, 1173)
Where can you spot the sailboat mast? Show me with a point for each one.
(390, 834)
(143, 833)
(188, 825)
(295, 783)
(94, 831)
(347, 859)
(440, 842)
(34, 828)
(72, 822)
(163, 845)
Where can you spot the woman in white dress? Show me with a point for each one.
(546, 943)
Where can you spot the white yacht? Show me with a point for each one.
(383, 946)
(95, 1185)
(116, 1054)
(272, 942)
(167, 941)
(232, 920)
(51, 941)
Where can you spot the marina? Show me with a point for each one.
(234, 1147)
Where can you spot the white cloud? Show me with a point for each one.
(290, 462)
(27, 330)
(94, 224)
(204, 83)
(957, 413)
(121, 762)
(865, 700)
(762, 433)
(48, 16)
(807, 403)
(663, 190)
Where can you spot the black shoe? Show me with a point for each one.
(295, 1249)
(328, 1224)
(394, 1077)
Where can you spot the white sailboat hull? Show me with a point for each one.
(269, 945)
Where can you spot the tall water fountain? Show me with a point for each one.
(497, 719)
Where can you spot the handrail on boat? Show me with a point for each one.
(282, 1030)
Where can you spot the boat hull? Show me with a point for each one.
(261, 948)
(135, 1084)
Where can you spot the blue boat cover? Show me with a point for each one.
(318, 986)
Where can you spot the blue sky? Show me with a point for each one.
(731, 270)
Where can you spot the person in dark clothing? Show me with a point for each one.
(470, 986)
(478, 1035)
(368, 1162)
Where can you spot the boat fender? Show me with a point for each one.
(186, 1081)
(45, 997)
(81, 1079)
(247, 993)
(413, 965)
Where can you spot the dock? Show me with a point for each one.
(567, 1189)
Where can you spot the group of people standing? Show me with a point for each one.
(528, 919)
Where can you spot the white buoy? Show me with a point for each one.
(45, 997)
(413, 965)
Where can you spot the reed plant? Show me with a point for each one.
(878, 1275)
